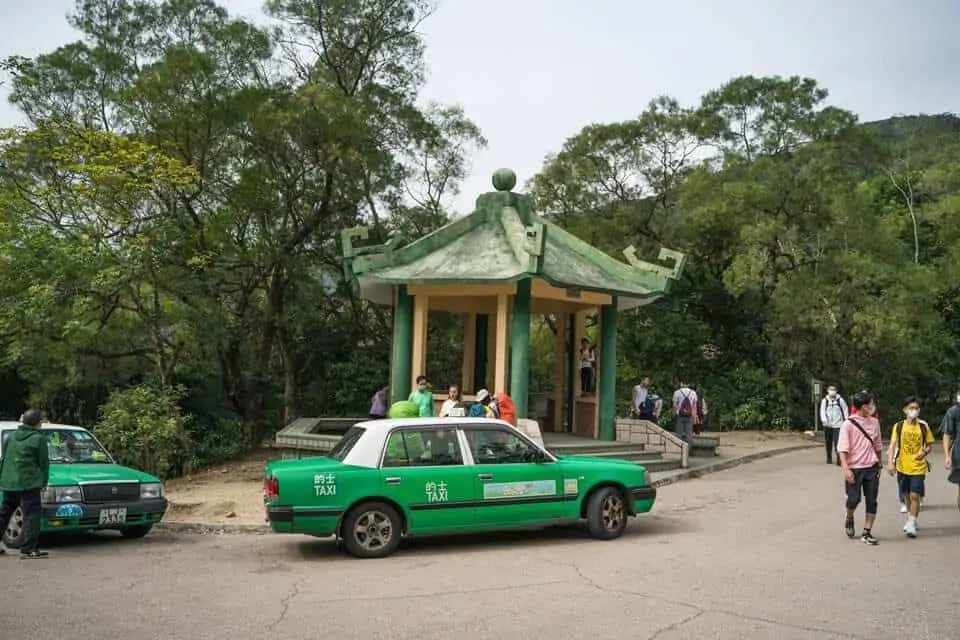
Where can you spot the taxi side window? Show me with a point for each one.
(496, 446)
(423, 448)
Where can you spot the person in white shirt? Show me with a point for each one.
(587, 360)
(685, 408)
(833, 412)
(450, 408)
(640, 393)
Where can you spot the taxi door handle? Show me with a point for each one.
(485, 476)
(393, 480)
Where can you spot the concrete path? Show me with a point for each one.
(754, 552)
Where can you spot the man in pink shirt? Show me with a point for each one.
(859, 447)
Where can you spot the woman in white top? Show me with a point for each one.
(587, 360)
(449, 406)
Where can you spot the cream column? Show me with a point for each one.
(418, 363)
(502, 345)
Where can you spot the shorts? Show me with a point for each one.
(910, 484)
(866, 483)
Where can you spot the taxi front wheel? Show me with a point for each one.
(606, 514)
(371, 530)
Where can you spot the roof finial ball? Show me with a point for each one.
(504, 179)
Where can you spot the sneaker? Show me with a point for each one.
(910, 528)
(848, 527)
(903, 508)
(31, 555)
(867, 538)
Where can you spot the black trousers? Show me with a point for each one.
(587, 380)
(30, 503)
(830, 437)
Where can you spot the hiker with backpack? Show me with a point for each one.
(833, 411)
(911, 441)
(685, 406)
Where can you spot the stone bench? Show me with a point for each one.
(307, 437)
(705, 446)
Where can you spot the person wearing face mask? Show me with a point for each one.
(950, 427)
(860, 451)
(423, 398)
(911, 441)
(833, 411)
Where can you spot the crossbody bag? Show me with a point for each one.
(869, 439)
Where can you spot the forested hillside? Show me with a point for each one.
(171, 216)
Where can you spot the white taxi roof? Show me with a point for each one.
(12, 424)
(368, 450)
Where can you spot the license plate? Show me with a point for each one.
(113, 516)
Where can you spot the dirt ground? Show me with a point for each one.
(232, 493)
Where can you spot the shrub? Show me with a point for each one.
(143, 427)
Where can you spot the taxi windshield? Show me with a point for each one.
(67, 446)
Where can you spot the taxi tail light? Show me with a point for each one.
(271, 487)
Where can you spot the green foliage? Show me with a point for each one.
(143, 427)
(170, 218)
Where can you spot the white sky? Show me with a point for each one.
(531, 73)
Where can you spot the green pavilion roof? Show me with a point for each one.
(503, 241)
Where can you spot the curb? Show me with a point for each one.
(689, 474)
(199, 528)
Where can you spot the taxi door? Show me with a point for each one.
(510, 490)
(424, 472)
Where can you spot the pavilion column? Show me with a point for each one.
(520, 349)
(571, 383)
(482, 352)
(421, 310)
(501, 344)
(559, 372)
(467, 380)
(607, 383)
(402, 348)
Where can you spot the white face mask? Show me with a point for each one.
(832, 393)
(913, 413)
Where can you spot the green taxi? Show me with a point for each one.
(420, 476)
(88, 490)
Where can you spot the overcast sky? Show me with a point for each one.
(533, 72)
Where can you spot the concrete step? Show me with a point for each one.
(627, 454)
(563, 448)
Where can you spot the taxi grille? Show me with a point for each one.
(104, 493)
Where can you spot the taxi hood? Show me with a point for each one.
(76, 473)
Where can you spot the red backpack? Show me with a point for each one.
(508, 412)
(686, 406)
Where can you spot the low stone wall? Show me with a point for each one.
(312, 436)
(653, 438)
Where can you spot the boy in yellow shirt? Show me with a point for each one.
(910, 444)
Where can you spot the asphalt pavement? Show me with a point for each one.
(753, 552)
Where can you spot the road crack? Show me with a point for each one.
(698, 611)
(285, 604)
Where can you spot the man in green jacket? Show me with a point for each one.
(24, 473)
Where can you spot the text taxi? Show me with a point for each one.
(391, 478)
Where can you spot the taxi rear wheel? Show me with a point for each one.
(371, 530)
(607, 514)
(14, 533)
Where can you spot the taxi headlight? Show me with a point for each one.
(52, 495)
(150, 490)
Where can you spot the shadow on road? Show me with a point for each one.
(655, 529)
(94, 540)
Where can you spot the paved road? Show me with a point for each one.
(756, 552)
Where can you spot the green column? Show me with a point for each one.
(480, 361)
(401, 357)
(608, 371)
(520, 349)
(571, 371)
